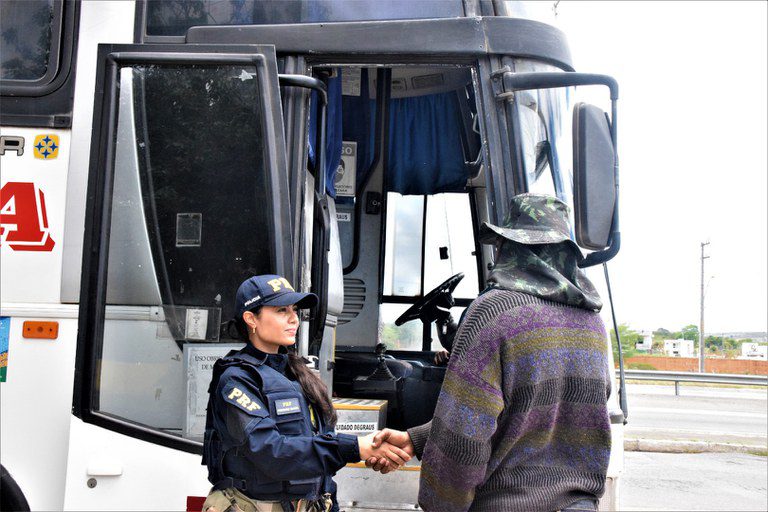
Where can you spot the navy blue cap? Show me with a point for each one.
(270, 290)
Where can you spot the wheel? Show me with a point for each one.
(424, 308)
(11, 497)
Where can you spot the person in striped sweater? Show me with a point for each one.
(521, 423)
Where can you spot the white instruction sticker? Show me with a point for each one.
(350, 81)
(197, 324)
(362, 426)
(345, 173)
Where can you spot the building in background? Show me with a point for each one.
(679, 348)
(646, 344)
(754, 351)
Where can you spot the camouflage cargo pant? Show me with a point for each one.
(232, 500)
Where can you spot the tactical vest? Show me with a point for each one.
(228, 465)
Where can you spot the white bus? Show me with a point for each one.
(155, 153)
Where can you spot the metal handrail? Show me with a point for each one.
(711, 378)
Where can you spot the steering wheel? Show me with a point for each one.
(430, 300)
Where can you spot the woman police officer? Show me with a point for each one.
(269, 441)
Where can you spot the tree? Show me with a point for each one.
(713, 343)
(629, 338)
(690, 332)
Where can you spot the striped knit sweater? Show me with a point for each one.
(521, 423)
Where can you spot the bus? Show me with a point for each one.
(156, 153)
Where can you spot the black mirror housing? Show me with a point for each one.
(594, 177)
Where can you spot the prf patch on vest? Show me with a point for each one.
(287, 406)
(240, 398)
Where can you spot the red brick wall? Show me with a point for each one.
(691, 364)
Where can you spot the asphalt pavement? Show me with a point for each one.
(701, 419)
(694, 481)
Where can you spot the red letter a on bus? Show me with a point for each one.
(23, 221)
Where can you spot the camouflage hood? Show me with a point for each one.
(537, 256)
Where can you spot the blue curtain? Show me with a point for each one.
(333, 132)
(425, 148)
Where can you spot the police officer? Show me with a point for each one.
(269, 441)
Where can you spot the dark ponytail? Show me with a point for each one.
(314, 389)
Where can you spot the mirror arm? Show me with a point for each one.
(546, 80)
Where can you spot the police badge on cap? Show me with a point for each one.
(270, 290)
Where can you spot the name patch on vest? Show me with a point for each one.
(238, 397)
(287, 406)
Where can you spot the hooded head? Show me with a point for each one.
(537, 255)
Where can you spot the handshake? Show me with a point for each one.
(386, 450)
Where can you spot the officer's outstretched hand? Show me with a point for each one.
(393, 456)
(393, 437)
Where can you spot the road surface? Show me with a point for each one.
(694, 481)
(721, 415)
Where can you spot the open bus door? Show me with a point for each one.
(187, 196)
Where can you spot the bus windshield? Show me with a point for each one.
(545, 137)
(174, 17)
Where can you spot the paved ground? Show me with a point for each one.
(703, 415)
(702, 481)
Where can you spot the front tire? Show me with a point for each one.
(12, 499)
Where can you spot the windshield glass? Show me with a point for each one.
(545, 135)
(174, 17)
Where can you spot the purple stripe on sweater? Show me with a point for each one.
(462, 419)
(523, 319)
(581, 416)
(552, 363)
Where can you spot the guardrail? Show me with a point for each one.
(710, 378)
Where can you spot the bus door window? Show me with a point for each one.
(189, 217)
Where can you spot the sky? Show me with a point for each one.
(692, 151)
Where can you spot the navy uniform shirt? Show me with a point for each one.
(243, 417)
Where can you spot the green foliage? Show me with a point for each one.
(690, 332)
(407, 336)
(714, 345)
(628, 340)
(719, 345)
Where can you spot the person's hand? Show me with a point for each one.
(393, 437)
(394, 455)
(441, 357)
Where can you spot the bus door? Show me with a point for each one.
(187, 196)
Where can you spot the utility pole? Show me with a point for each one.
(701, 320)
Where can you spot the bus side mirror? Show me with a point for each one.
(594, 177)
